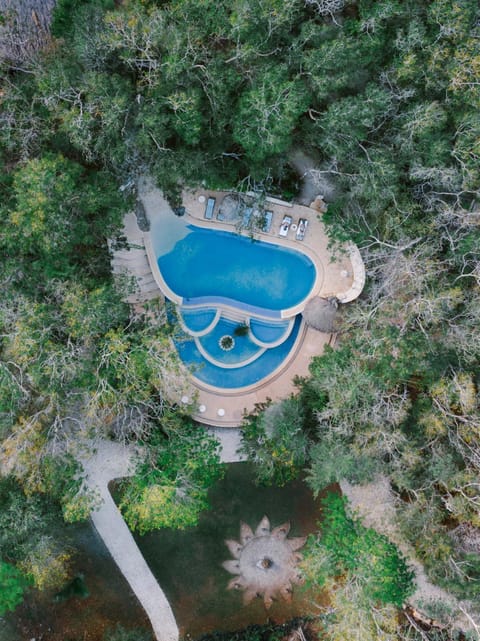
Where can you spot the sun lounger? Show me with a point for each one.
(209, 208)
(247, 215)
(285, 226)
(301, 229)
(267, 221)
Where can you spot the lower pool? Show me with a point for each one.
(268, 332)
(197, 320)
(235, 377)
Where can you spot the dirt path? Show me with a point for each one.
(313, 182)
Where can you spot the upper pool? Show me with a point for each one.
(211, 263)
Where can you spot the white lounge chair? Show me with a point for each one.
(285, 226)
(301, 229)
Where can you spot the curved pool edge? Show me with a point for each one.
(222, 365)
(277, 387)
(201, 332)
(157, 274)
(278, 341)
(246, 389)
(232, 304)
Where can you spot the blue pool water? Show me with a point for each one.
(268, 332)
(208, 262)
(235, 377)
(197, 320)
(243, 349)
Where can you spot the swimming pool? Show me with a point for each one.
(196, 321)
(243, 348)
(221, 282)
(211, 263)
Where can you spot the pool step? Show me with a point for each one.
(234, 315)
(142, 270)
(128, 255)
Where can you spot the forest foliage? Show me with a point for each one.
(385, 96)
(346, 547)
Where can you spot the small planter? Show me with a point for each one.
(226, 343)
(241, 330)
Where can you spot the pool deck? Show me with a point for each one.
(343, 278)
(334, 277)
(278, 385)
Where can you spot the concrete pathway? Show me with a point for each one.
(229, 439)
(111, 461)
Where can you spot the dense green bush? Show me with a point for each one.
(12, 584)
(169, 488)
(370, 558)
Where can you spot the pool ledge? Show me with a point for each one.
(224, 365)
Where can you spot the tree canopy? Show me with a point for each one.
(384, 95)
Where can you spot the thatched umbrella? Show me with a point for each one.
(320, 313)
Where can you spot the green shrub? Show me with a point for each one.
(362, 553)
(241, 330)
(12, 585)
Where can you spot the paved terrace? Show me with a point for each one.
(343, 278)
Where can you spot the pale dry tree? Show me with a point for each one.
(326, 7)
(25, 29)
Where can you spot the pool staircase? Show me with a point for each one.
(131, 264)
(237, 316)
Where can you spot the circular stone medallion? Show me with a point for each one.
(226, 342)
(265, 562)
